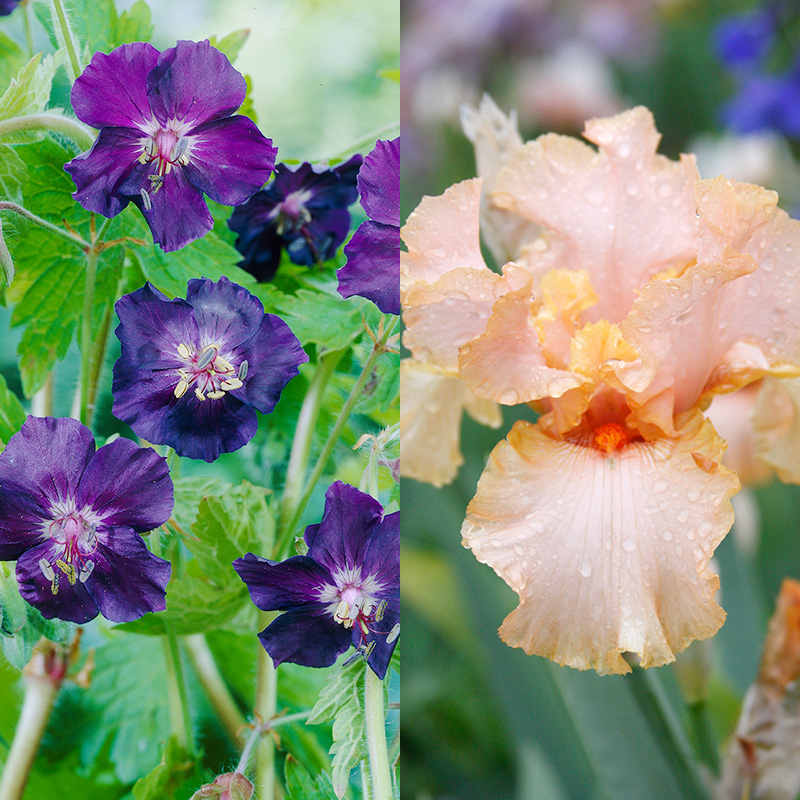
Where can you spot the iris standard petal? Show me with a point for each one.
(307, 636)
(128, 485)
(229, 159)
(120, 75)
(194, 82)
(278, 586)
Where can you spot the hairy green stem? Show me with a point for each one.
(81, 134)
(65, 36)
(375, 717)
(214, 685)
(301, 446)
(86, 332)
(654, 707)
(27, 23)
(379, 347)
(73, 238)
(266, 708)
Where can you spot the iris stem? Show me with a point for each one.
(179, 714)
(375, 718)
(301, 445)
(43, 678)
(654, 707)
(266, 708)
(379, 347)
(73, 238)
(82, 135)
(61, 24)
(216, 689)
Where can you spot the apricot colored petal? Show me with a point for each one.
(496, 138)
(608, 554)
(432, 402)
(441, 234)
(776, 424)
(442, 316)
(624, 213)
(506, 363)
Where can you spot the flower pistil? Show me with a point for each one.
(212, 374)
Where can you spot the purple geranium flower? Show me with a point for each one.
(167, 135)
(7, 6)
(373, 254)
(71, 517)
(304, 209)
(193, 372)
(345, 591)
(745, 39)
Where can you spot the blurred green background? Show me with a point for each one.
(481, 719)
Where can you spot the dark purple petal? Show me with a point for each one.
(178, 213)
(111, 90)
(225, 312)
(127, 485)
(71, 602)
(127, 580)
(382, 650)
(48, 457)
(193, 83)
(151, 328)
(229, 159)
(260, 248)
(23, 518)
(383, 554)
(342, 538)
(373, 266)
(7, 6)
(273, 355)
(99, 172)
(280, 586)
(305, 636)
(379, 183)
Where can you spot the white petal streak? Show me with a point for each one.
(607, 554)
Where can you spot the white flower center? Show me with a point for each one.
(211, 374)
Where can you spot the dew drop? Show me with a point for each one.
(586, 568)
(629, 544)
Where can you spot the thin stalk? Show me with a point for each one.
(366, 783)
(266, 708)
(375, 718)
(27, 22)
(301, 445)
(42, 400)
(179, 714)
(653, 705)
(214, 685)
(248, 748)
(377, 349)
(79, 133)
(73, 238)
(86, 332)
(61, 24)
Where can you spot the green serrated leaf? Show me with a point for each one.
(12, 59)
(13, 174)
(167, 777)
(28, 93)
(231, 44)
(342, 700)
(134, 25)
(301, 785)
(6, 262)
(314, 316)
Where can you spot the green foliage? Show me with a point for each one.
(12, 414)
(28, 93)
(13, 174)
(168, 777)
(342, 700)
(12, 59)
(300, 785)
(232, 44)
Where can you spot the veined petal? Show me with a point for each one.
(608, 553)
(119, 75)
(441, 234)
(506, 363)
(193, 83)
(441, 317)
(229, 159)
(379, 182)
(128, 485)
(382, 559)
(277, 586)
(624, 212)
(776, 424)
(432, 402)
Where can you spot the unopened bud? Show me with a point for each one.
(230, 786)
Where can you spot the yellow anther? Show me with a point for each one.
(183, 350)
(180, 389)
(340, 615)
(200, 395)
(230, 384)
(393, 633)
(381, 610)
(215, 395)
(54, 585)
(369, 648)
(222, 365)
(68, 570)
(208, 347)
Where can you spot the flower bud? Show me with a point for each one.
(230, 786)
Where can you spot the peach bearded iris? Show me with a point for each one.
(647, 292)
